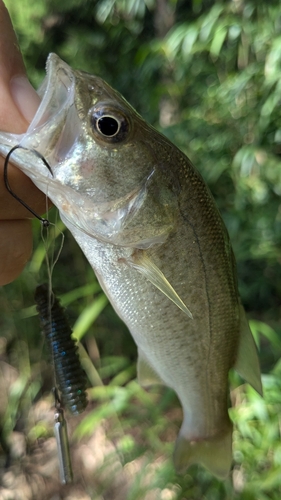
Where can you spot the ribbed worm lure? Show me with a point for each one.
(70, 378)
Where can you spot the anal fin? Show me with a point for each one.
(247, 362)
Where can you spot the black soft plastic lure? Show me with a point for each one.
(70, 378)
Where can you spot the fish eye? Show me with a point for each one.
(108, 124)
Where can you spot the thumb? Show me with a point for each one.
(18, 99)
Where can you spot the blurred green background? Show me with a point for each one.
(208, 75)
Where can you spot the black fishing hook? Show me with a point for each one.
(61, 435)
(45, 222)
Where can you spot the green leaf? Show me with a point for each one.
(217, 42)
(88, 316)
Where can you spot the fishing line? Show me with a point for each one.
(48, 237)
(52, 330)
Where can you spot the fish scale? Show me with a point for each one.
(150, 228)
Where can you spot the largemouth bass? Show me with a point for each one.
(149, 227)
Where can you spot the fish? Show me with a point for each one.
(150, 228)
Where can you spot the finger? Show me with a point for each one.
(15, 248)
(11, 64)
(24, 188)
(11, 61)
(18, 104)
(18, 99)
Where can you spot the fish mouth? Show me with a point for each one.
(53, 130)
(57, 92)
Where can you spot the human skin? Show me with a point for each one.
(18, 104)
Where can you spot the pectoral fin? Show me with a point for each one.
(146, 267)
(146, 375)
(247, 362)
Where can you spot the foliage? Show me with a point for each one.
(207, 74)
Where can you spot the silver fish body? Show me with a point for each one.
(150, 229)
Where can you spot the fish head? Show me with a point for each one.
(111, 174)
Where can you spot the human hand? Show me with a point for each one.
(18, 104)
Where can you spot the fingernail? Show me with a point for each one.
(25, 97)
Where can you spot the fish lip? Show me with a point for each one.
(57, 93)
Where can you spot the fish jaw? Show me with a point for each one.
(57, 93)
(44, 133)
